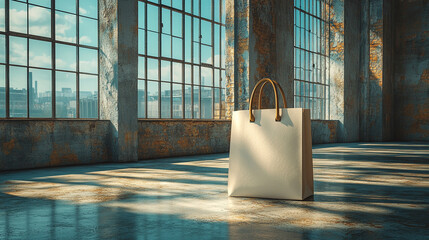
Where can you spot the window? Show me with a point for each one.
(311, 57)
(48, 59)
(181, 59)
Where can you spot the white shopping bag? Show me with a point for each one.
(271, 151)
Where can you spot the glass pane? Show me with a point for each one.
(65, 90)
(223, 79)
(141, 99)
(196, 7)
(65, 57)
(166, 46)
(206, 76)
(216, 8)
(142, 68)
(196, 75)
(222, 100)
(196, 102)
(2, 48)
(18, 91)
(206, 9)
(223, 50)
(166, 2)
(206, 103)
(40, 54)
(188, 73)
(206, 54)
(65, 27)
(88, 60)
(188, 39)
(216, 45)
(153, 17)
(165, 100)
(2, 91)
(216, 103)
(196, 30)
(177, 72)
(177, 24)
(177, 101)
(18, 17)
(206, 32)
(141, 14)
(40, 21)
(88, 8)
(196, 53)
(152, 44)
(66, 5)
(40, 93)
(141, 44)
(166, 21)
(2, 16)
(18, 51)
(188, 6)
(188, 101)
(88, 96)
(165, 71)
(178, 4)
(152, 99)
(216, 78)
(152, 69)
(88, 32)
(177, 48)
(223, 12)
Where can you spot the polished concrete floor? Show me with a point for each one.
(362, 191)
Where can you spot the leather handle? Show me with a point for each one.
(274, 84)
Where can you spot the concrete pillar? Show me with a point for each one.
(259, 44)
(376, 73)
(237, 56)
(351, 69)
(336, 64)
(118, 74)
(344, 60)
(271, 46)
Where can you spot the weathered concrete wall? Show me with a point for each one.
(169, 138)
(47, 143)
(118, 74)
(411, 71)
(324, 131)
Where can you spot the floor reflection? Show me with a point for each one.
(361, 191)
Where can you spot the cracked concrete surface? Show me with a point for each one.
(362, 190)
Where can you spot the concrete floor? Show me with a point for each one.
(365, 191)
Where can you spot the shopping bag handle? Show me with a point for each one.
(264, 81)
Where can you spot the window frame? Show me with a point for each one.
(315, 58)
(53, 68)
(194, 85)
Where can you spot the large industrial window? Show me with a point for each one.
(48, 59)
(311, 57)
(181, 59)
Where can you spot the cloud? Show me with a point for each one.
(41, 60)
(40, 21)
(88, 66)
(82, 11)
(18, 53)
(18, 20)
(65, 27)
(84, 40)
